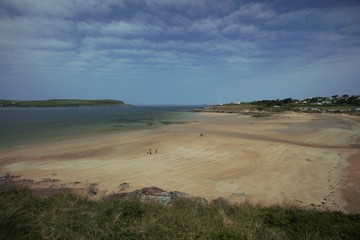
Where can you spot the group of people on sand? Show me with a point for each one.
(149, 151)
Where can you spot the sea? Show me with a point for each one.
(24, 126)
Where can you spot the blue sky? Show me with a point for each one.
(178, 52)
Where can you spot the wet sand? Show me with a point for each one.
(351, 189)
(286, 158)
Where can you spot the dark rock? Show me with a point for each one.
(176, 195)
(48, 180)
(241, 194)
(92, 189)
(219, 201)
(152, 194)
(155, 194)
(153, 191)
(6, 177)
(27, 181)
(200, 201)
(124, 186)
(163, 199)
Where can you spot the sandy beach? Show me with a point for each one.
(307, 159)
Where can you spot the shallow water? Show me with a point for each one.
(21, 126)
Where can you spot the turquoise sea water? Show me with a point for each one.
(21, 126)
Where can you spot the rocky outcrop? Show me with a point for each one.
(92, 190)
(158, 195)
(155, 194)
(124, 186)
(147, 194)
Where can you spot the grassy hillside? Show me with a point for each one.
(335, 104)
(23, 216)
(60, 103)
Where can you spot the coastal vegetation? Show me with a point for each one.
(61, 103)
(334, 104)
(68, 216)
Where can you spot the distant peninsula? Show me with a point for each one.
(334, 104)
(62, 103)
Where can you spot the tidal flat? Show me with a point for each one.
(307, 159)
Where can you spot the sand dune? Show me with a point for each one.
(299, 158)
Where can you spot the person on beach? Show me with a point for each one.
(156, 151)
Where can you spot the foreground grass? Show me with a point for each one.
(23, 216)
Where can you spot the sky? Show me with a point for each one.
(164, 52)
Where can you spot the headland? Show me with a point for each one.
(61, 103)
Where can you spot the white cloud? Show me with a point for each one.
(350, 29)
(202, 49)
(63, 8)
(88, 27)
(243, 30)
(207, 26)
(123, 28)
(23, 27)
(325, 18)
(35, 33)
(36, 43)
(118, 28)
(180, 4)
(39, 7)
(110, 42)
(185, 39)
(251, 12)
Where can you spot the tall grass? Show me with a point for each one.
(67, 216)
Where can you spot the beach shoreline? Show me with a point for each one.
(351, 189)
(290, 157)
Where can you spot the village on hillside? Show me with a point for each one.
(334, 104)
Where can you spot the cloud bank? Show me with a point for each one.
(173, 52)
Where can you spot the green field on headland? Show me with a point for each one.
(61, 103)
(335, 104)
(66, 216)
